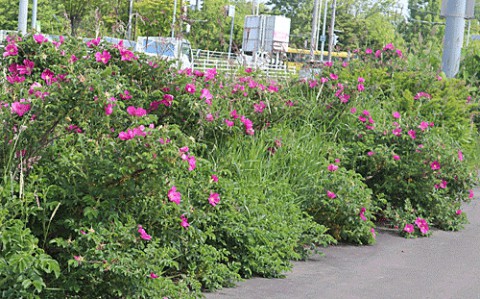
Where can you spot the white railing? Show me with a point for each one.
(205, 59)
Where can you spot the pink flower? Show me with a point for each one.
(470, 194)
(331, 195)
(214, 178)
(78, 258)
(10, 50)
(378, 53)
(422, 225)
(361, 80)
(174, 196)
(323, 80)
(458, 212)
(258, 108)
(460, 155)
(192, 163)
(397, 132)
(372, 231)
(443, 184)
(143, 233)
(368, 51)
(412, 134)
(26, 68)
(248, 125)
(190, 88)
(183, 150)
(333, 76)
(328, 63)
(388, 47)
(20, 108)
(72, 59)
(360, 87)
(229, 123)
(214, 199)
(423, 125)
(139, 112)
(205, 93)
(103, 57)
(234, 114)
(362, 214)
(210, 74)
(344, 64)
(127, 55)
(370, 153)
(332, 167)
(40, 39)
(184, 222)
(93, 42)
(209, 117)
(353, 110)
(435, 165)
(422, 94)
(312, 83)
(48, 76)
(396, 115)
(125, 95)
(109, 109)
(409, 228)
(153, 275)
(396, 157)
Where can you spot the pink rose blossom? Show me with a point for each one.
(214, 199)
(103, 57)
(174, 195)
(190, 88)
(435, 165)
(409, 228)
(332, 167)
(422, 225)
(184, 222)
(331, 195)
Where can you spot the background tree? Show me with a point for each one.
(154, 17)
(49, 15)
(423, 27)
(75, 11)
(210, 27)
(362, 23)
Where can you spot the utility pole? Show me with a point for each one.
(318, 27)
(331, 31)
(313, 40)
(323, 38)
(34, 14)
(23, 16)
(174, 18)
(231, 13)
(454, 30)
(129, 27)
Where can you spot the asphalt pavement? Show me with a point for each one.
(444, 265)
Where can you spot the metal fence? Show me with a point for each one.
(233, 63)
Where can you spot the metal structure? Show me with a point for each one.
(23, 16)
(454, 11)
(331, 31)
(313, 40)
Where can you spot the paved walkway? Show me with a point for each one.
(445, 265)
